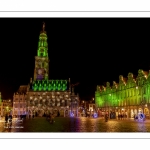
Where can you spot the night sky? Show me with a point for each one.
(88, 50)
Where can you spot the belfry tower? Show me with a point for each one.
(41, 70)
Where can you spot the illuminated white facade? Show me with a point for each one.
(19, 101)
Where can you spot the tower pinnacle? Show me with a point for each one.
(43, 26)
(42, 44)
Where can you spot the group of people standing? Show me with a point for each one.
(8, 119)
(122, 116)
(119, 116)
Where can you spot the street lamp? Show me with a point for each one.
(93, 99)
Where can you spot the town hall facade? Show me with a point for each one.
(42, 96)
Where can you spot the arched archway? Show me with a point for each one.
(132, 113)
(146, 112)
(135, 111)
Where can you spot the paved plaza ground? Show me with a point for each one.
(82, 124)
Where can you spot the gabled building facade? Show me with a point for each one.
(19, 101)
(128, 96)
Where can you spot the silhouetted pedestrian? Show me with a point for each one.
(121, 116)
(6, 118)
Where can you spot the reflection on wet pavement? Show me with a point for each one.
(14, 127)
(82, 124)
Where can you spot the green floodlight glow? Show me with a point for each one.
(64, 85)
(54, 86)
(45, 87)
(50, 85)
(46, 76)
(59, 86)
(40, 87)
(42, 45)
(125, 93)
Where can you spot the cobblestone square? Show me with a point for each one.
(82, 124)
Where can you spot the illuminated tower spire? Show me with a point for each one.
(43, 26)
(42, 44)
(41, 71)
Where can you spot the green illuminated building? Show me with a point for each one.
(129, 96)
(44, 96)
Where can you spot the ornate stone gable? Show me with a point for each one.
(141, 78)
(108, 88)
(121, 83)
(131, 81)
(114, 86)
(103, 89)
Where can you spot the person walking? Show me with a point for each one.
(6, 118)
(10, 120)
(118, 116)
(121, 116)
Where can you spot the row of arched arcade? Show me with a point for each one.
(129, 112)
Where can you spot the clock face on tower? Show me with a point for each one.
(40, 74)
